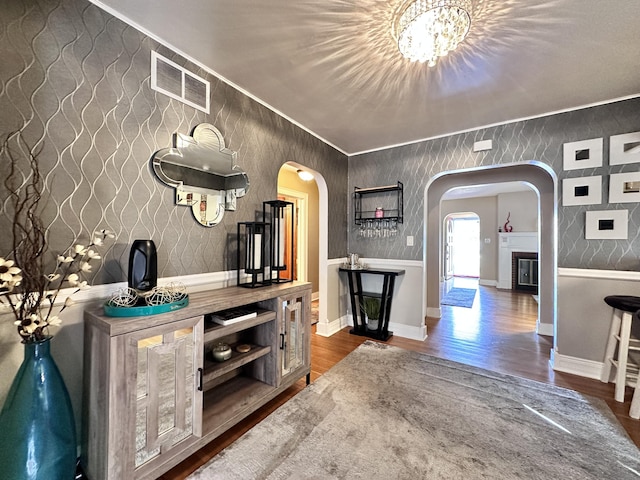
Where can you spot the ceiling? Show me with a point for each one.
(333, 68)
(489, 190)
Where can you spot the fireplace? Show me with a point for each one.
(524, 271)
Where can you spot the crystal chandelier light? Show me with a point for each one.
(428, 29)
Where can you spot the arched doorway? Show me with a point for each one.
(317, 260)
(543, 180)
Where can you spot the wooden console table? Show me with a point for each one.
(153, 394)
(357, 295)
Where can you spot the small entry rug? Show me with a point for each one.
(459, 297)
(387, 413)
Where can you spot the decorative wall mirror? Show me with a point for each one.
(203, 172)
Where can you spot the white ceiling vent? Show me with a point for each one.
(179, 83)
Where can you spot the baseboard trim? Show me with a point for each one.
(326, 329)
(407, 331)
(398, 329)
(488, 283)
(434, 312)
(575, 366)
(544, 328)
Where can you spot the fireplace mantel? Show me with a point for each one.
(509, 243)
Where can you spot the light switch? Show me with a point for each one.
(487, 240)
(409, 240)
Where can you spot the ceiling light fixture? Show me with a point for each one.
(428, 29)
(305, 176)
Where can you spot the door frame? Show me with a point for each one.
(302, 215)
(451, 218)
(544, 181)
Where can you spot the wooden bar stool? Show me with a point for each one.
(624, 308)
(634, 411)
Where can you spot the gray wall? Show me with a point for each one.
(76, 81)
(537, 139)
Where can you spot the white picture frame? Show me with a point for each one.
(582, 154)
(582, 191)
(606, 225)
(624, 148)
(624, 187)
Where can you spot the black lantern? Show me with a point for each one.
(254, 240)
(281, 215)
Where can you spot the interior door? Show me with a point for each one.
(288, 246)
(448, 248)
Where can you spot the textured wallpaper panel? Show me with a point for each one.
(538, 139)
(76, 82)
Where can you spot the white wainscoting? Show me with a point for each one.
(584, 317)
(406, 308)
(575, 366)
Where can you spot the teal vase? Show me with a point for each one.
(37, 428)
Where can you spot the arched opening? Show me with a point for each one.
(312, 197)
(543, 180)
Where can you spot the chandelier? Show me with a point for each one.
(428, 29)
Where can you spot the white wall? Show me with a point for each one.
(524, 210)
(406, 308)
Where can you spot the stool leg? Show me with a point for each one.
(623, 351)
(634, 411)
(614, 329)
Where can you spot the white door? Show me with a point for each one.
(448, 248)
(465, 251)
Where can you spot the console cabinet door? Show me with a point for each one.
(294, 323)
(168, 402)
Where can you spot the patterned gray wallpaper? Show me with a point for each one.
(537, 139)
(76, 82)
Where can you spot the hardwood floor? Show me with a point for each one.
(498, 334)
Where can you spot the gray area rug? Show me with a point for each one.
(459, 297)
(387, 413)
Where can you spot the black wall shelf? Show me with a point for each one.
(388, 198)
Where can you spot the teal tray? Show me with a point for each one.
(141, 311)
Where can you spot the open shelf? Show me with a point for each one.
(386, 188)
(214, 331)
(371, 294)
(229, 399)
(389, 214)
(213, 370)
(389, 198)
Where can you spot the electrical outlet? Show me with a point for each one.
(409, 240)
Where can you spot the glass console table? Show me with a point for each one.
(357, 296)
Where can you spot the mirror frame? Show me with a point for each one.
(207, 204)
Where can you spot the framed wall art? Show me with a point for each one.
(624, 187)
(582, 191)
(606, 225)
(582, 154)
(624, 148)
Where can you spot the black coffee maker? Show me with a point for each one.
(143, 265)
